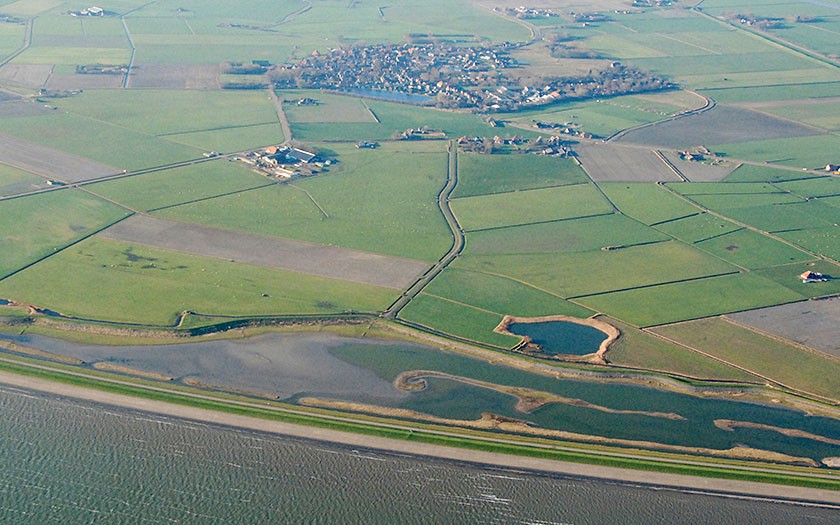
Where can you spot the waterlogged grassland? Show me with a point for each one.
(457, 319)
(381, 201)
(162, 112)
(500, 295)
(484, 174)
(639, 349)
(526, 207)
(36, 226)
(586, 273)
(696, 228)
(799, 152)
(179, 185)
(670, 303)
(120, 282)
(788, 364)
(751, 250)
(648, 203)
(109, 144)
(574, 235)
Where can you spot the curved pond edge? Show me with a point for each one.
(598, 357)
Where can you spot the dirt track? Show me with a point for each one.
(276, 252)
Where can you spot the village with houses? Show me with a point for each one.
(466, 77)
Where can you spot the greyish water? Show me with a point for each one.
(67, 461)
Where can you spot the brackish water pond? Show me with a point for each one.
(334, 367)
(561, 337)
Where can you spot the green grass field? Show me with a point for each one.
(752, 250)
(526, 207)
(816, 187)
(648, 203)
(781, 217)
(500, 295)
(120, 282)
(382, 201)
(457, 319)
(696, 228)
(785, 363)
(232, 140)
(788, 276)
(670, 303)
(329, 108)
(592, 272)
(638, 349)
(36, 226)
(822, 241)
(484, 174)
(799, 152)
(574, 235)
(179, 185)
(753, 173)
(14, 181)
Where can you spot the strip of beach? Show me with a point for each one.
(713, 486)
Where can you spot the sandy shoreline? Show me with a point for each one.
(710, 485)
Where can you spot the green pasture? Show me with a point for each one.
(457, 319)
(258, 10)
(382, 201)
(696, 228)
(788, 364)
(526, 207)
(754, 173)
(782, 217)
(38, 225)
(819, 36)
(393, 119)
(30, 7)
(822, 241)
(329, 107)
(57, 24)
(638, 349)
(718, 188)
(816, 187)
(11, 38)
(725, 202)
(751, 250)
(662, 22)
(791, 91)
(594, 272)
(670, 303)
(788, 276)
(163, 112)
(179, 185)
(14, 181)
(800, 152)
(231, 140)
(770, 60)
(648, 203)
(499, 295)
(480, 174)
(106, 143)
(57, 54)
(121, 282)
(574, 235)
(749, 80)
(824, 114)
(207, 51)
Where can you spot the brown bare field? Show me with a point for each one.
(811, 323)
(49, 162)
(175, 76)
(21, 108)
(614, 163)
(72, 81)
(698, 171)
(275, 252)
(26, 75)
(720, 125)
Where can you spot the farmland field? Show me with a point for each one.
(769, 357)
(124, 282)
(648, 203)
(14, 181)
(752, 250)
(697, 228)
(484, 174)
(611, 163)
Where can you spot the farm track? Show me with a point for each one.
(27, 41)
(457, 244)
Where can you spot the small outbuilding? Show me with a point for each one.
(812, 277)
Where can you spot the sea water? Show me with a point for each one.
(68, 461)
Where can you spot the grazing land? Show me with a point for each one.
(324, 261)
(484, 174)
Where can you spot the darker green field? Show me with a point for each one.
(484, 174)
(696, 228)
(648, 203)
(788, 364)
(120, 282)
(754, 173)
(39, 225)
(670, 303)
(751, 250)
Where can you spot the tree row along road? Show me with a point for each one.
(457, 243)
